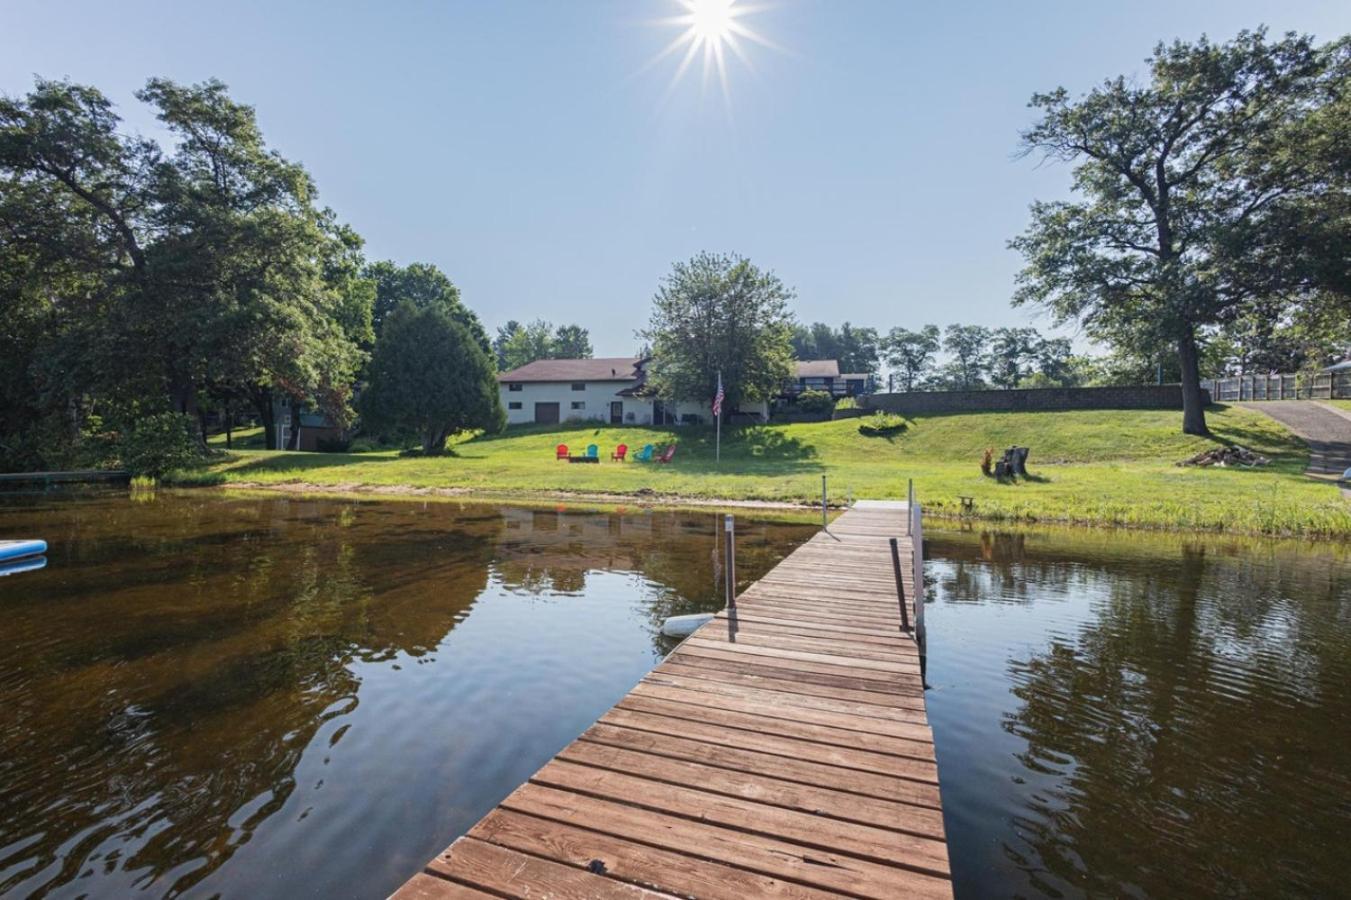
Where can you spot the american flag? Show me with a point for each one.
(717, 399)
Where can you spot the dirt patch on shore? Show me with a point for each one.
(643, 498)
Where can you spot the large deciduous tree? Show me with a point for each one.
(1195, 199)
(855, 348)
(430, 378)
(966, 346)
(719, 313)
(911, 353)
(151, 280)
(525, 344)
(425, 286)
(572, 342)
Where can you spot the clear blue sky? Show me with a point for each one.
(870, 163)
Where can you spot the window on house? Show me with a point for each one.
(579, 386)
(515, 387)
(515, 405)
(579, 404)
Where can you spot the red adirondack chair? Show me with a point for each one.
(667, 454)
(561, 452)
(620, 452)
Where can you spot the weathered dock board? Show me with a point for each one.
(782, 750)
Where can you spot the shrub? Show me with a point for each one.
(815, 402)
(846, 403)
(882, 424)
(159, 443)
(366, 444)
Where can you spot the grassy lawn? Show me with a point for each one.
(1341, 404)
(1111, 467)
(240, 439)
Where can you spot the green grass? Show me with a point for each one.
(240, 439)
(1343, 404)
(1110, 467)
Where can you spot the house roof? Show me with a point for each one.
(1343, 366)
(609, 368)
(818, 368)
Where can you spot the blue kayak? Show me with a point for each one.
(19, 549)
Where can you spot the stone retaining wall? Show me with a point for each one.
(1160, 396)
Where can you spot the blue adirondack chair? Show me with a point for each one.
(645, 454)
(593, 451)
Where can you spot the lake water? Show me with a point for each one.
(297, 697)
(283, 698)
(1136, 715)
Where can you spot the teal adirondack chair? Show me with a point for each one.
(645, 454)
(593, 451)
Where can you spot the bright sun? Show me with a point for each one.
(711, 20)
(710, 29)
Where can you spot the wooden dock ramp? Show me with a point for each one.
(781, 751)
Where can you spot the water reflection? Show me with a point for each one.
(1142, 715)
(274, 697)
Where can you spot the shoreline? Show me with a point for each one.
(654, 500)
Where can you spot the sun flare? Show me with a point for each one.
(711, 20)
(711, 30)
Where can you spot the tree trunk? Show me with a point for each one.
(295, 425)
(434, 441)
(262, 404)
(1193, 398)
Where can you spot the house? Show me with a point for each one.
(314, 427)
(824, 375)
(610, 389)
(614, 390)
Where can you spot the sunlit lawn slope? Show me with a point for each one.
(1102, 467)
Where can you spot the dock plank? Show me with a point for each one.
(782, 750)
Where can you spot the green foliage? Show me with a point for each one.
(159, 443)
(517, 345)
(846, 403)
(430, 378)
(856, 349)
(882, 424)
(815, 401)
(967, 346)
(572, 342)
(911, 353)
(426, 287)
(145, 276)
(1198, 200)
(719, 313)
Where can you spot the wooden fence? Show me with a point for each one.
(1320, 386)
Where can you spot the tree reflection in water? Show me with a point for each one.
(1175, 712)
(269, 697)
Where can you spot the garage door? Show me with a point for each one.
(546, 413)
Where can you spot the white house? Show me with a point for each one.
(614, 390)
(607, 390)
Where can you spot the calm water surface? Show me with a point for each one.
(283, 698)
(280, 698)
(1142, 715)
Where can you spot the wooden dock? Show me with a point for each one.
(782, 750)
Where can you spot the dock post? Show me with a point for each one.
(909, 504)
(900, 585)
(823, 502)
(729, 570)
